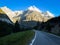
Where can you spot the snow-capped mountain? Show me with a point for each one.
(34, 8)
(48, 14)
(31, 14)
(31, 9)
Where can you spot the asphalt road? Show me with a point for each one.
(43, 38)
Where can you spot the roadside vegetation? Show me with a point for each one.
(19, 38)
(12, 34)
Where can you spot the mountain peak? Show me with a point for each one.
(50, 14)
(34, 8)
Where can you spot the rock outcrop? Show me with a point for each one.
(9, 13)
(31, 16)
(52, 25)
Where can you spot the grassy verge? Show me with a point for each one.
(20, 38)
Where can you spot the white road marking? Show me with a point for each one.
(33, 39)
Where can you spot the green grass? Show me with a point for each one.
(20, 38)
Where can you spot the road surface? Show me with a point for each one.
(43, 38)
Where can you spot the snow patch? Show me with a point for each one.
(34, 8)
(49, 14)
(18, 12)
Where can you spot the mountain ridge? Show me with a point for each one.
(27, 16)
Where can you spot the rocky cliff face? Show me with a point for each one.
(9, 13)
(30, 19)
(4, 17)
(52, 25)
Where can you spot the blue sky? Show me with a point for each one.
(51, 5)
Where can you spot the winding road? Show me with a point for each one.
(43, 38)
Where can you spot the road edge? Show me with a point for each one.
(33, 39)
